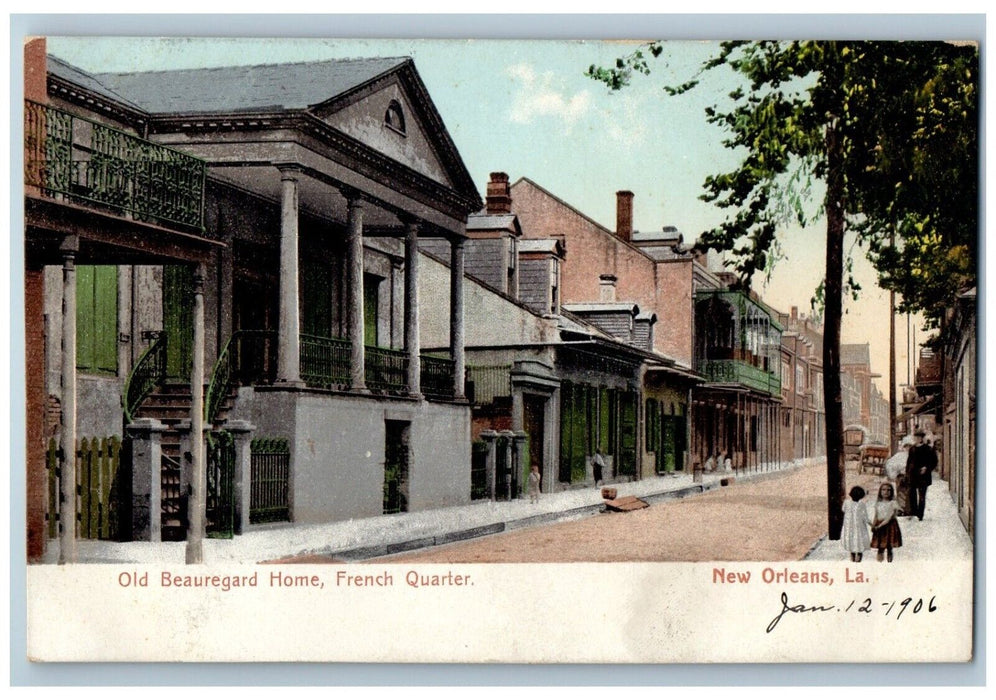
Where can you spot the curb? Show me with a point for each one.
(381, 550)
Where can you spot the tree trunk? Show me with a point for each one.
(833, 301)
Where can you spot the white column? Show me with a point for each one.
(456, 316)
(67, 513)
(289, 341)
(411, 309)
(198, 497)
(354, 244)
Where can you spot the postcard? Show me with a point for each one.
(500, 351)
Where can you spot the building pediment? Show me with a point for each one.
(387, 119)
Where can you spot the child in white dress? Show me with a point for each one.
(854, 534)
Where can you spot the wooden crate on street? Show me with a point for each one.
(625, 503)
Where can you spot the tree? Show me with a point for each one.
(889, 128)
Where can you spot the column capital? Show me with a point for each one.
(410, 221)
(290, 171)
(70, 245)
(354, 197)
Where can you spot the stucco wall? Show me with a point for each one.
(337, 450)
(489, 319)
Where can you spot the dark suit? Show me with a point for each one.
(920, 464)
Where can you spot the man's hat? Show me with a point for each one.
(919, 432)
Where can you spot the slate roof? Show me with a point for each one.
(538, 245)
(855, 354)
(70, 73)
(246, 88)
(603, 307)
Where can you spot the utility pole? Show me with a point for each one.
(893, 444)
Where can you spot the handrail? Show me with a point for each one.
(147, 373)
(221, 373)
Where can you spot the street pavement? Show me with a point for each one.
(377, 536)
(939, 536)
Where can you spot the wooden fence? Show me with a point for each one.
(98, 466)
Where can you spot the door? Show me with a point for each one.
(178, 321)
(669, 440)
(534, 416)
(396, 459)
(626, 455)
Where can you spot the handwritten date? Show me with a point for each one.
(911, 605)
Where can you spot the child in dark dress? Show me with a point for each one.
(886, 534)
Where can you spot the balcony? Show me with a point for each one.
(250, 358)
(738, 372)
(84, 162)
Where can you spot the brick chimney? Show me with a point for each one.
(35, 70)
(607, 287)
(499, 198)
(624, 215)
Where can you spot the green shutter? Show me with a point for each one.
(97, 318)
(106, 318)
(316, 298)
(370, 299)
(178, 320)
(85, 329)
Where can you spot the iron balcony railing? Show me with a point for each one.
(387, 370)
(325, 362)
(436, 377)
(85, 162)
(738, 372)
(249, 357)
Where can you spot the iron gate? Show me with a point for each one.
(268, 500)
(220, 506)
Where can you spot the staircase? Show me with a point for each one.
(170, 404)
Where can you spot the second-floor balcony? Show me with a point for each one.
(81, 161)
(739, 372)
(737, 341)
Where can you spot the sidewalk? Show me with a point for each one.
(355, 540)
(940, 536)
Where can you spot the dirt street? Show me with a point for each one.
(776, 518)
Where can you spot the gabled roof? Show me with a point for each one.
(855, 354)
(284, 86)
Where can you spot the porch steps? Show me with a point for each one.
(170, 405)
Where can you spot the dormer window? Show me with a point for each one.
(394, 117)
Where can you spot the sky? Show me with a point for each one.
(526, 108)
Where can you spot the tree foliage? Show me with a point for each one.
(907, 116)
(889, 129)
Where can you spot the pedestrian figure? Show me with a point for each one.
(710, 464)
(895, 471)
(534, 484)
(919, 467)
(886, 534)
(855, 532)
(597, 465)
(727, 462)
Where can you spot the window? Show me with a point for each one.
(394, 117)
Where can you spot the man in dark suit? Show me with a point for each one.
(920, 465)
